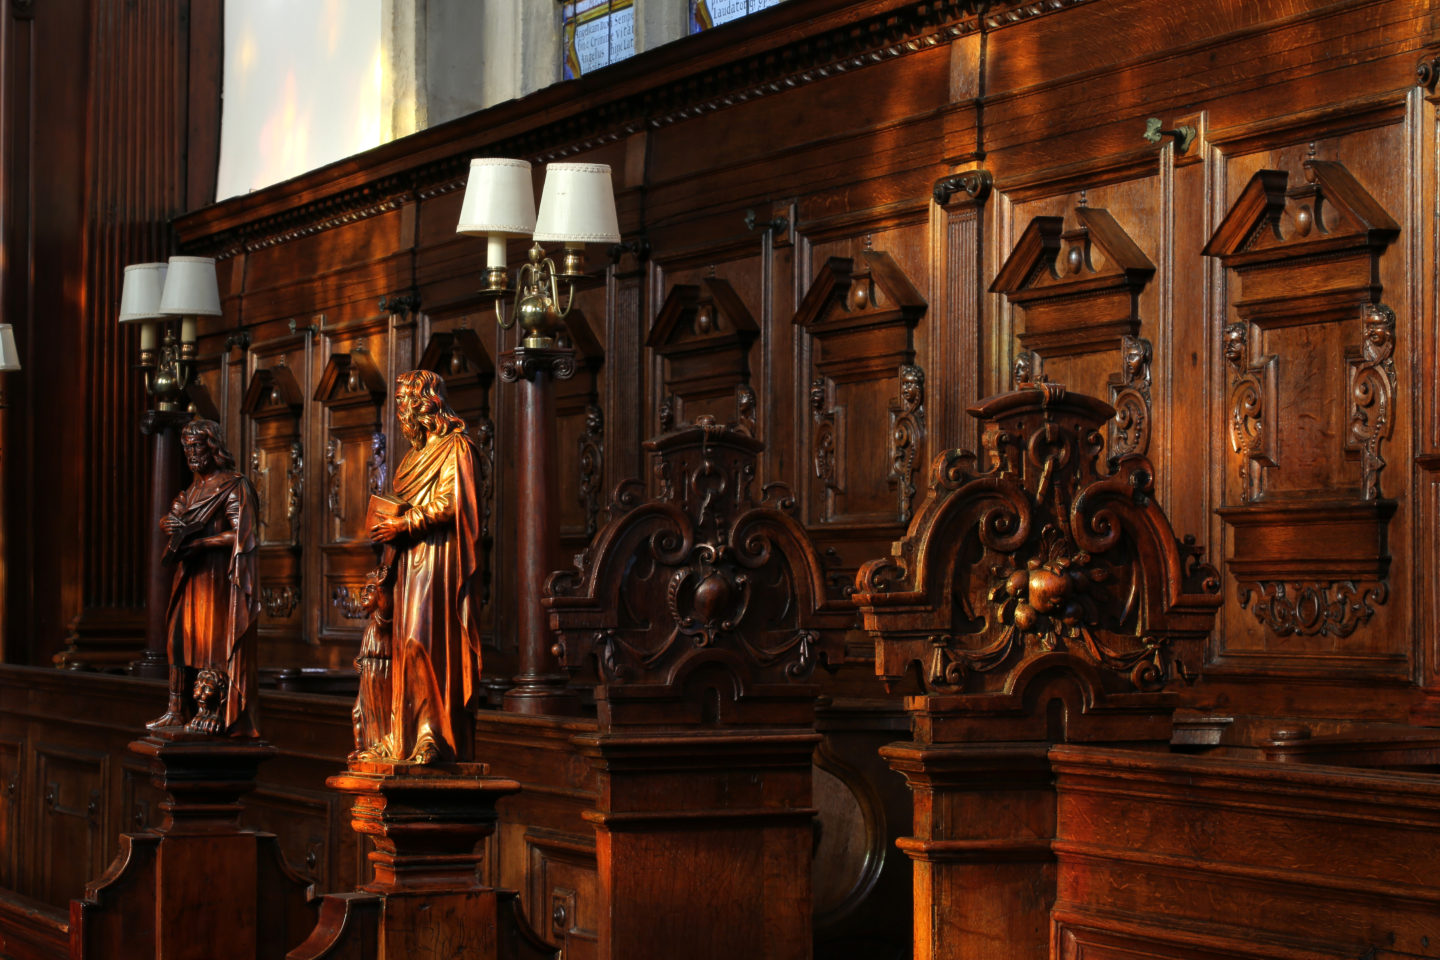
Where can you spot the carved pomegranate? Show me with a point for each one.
(712, 596)
(1046, 589)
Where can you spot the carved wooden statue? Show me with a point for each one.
(434, 534)
(214, 602)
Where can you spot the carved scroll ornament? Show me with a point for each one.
(907, 435)
(295, 491)
(1372, 395)
(592, 466)
(1029, 556)
(1251, 409)
(1130, 396)
(829, 457)
(701, 578)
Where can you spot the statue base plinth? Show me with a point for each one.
(425, 900)
(199, 885)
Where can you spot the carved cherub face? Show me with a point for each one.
(912, 387)
(1135, 357)
(1379, 330)
(1025, 367)
(817, 394)
(1234, 341)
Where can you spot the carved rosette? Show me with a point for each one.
(1028, 556)
(1130, 396)
(592, 466)
(907, 435)
(701, 581)
(1372, 395)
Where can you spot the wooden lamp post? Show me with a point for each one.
(576, 207)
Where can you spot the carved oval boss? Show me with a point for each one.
(1028, 557)
(701, 578)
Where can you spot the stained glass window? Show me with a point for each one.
(596, 33)
(705, 14)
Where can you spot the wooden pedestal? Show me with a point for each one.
(200, 887)
(707, 832)
(425, 900)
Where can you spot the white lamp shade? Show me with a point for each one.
(191, 289)
(578, 205)
(499, 199)
(9, 356)
(140, 295)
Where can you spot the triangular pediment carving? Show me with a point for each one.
(1035, 268)
(459, 356)
(1329, 210)
(1079, 288)
(853, 293)
(704, 317)
(273, 392)
(351, 379)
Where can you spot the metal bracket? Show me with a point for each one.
(975, 184)
(639, 248)
(776, 225)
(1184, 134)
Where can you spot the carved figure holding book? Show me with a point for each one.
(431, 528)
(214, 604)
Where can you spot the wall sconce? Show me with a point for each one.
(577, 207)
(154, 293)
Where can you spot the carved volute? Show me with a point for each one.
(1030, 559)
(704, 604)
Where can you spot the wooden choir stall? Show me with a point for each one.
(971, 494)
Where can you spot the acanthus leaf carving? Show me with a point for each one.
(1252, 409)
(591, 466)
(335, 478)
(1372, 393)
(907, 435)
(828, 456)
(1313, 609)
(485, 490)
(295, 492)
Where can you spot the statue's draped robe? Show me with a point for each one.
(214, 605)
(435, 665)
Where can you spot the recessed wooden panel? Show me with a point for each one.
(69, 800)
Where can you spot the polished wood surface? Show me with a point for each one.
(846, 224)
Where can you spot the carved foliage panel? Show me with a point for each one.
(1312, 361)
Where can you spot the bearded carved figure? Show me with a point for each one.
(214, 601)
(425, 628)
